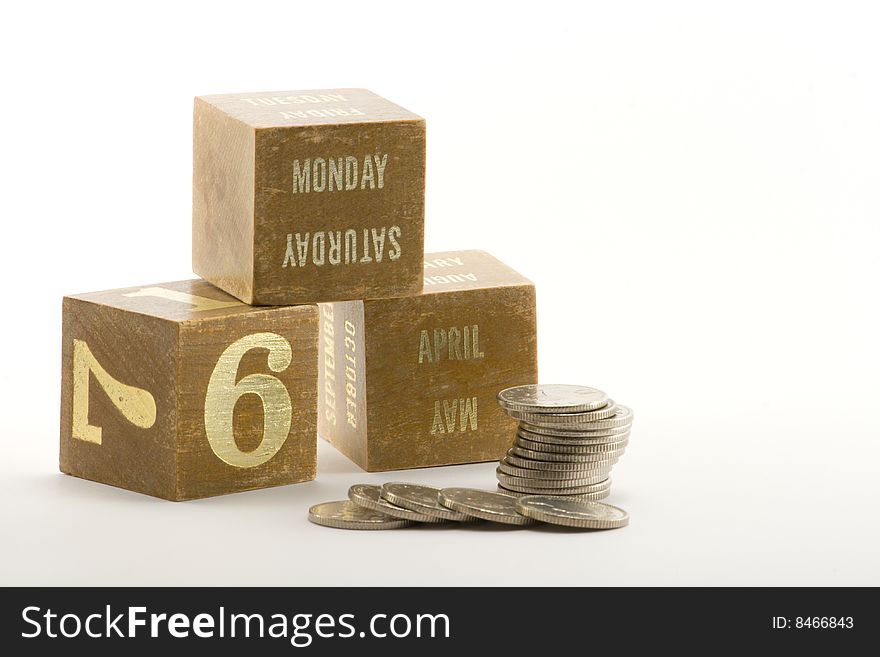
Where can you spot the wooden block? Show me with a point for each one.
(305, 196)
(411, 381)
(180, 391)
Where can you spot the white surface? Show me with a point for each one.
(693, 190)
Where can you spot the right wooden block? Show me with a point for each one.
(411, 381)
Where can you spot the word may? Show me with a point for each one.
(455, 343)
(334, 248)
(338, 174)
(465, 409)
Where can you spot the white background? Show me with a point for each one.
(693, 187)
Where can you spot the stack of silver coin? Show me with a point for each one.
(569, 437)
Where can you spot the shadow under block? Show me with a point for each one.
(411, 382)
(306, 196)
(180, 391)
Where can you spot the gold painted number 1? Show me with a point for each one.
(198, 304)
(136, 404)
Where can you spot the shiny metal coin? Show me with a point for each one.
(483, 504)
(572, 513)
(566, 419)
(370, 496)
(552, 398)
(525, 487)
(345, 514)
(558, 432)
(572, 458)
(585, 476)
(540, 464)
(572, 440)
(589, 497)
(592, 448)
(541, 482)
(423, 499)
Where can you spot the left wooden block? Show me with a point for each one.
(180, 391)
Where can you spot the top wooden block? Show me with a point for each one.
(308, 196)
(284, 109)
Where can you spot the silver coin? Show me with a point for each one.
(561, 466)
(566, 419)
(522, 452)
(571, 440)
(592, 448)
(345, 514)
(585, 476)
(598, 495)
(540, 482)
(370, 496)
(572, 513)
(483, 504)
(558, 432)
(423, 499)
(559, 398)
(523, 486)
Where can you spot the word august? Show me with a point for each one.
(336, 247)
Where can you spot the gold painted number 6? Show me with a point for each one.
(223, 392)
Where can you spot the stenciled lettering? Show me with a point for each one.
(454, 415)
(329, 349)
(450, 343)
(343, 173)
(352, 246)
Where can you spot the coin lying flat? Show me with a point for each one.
(623, 416)
(585, 476)
(345, 514)
(588, 497)
(370, 496)
(573, 440)
(485, 505)
(593, 448)
(525, 487)
(562, 466)
(570, 432)
(544, 398)
(572, 513)
(553, 456)
(537, 481)
(423, 499)
(566, 419)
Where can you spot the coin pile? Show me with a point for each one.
(569, 438)
(396, 505)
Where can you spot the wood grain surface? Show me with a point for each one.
(420, 373)
(180, 391)
(302, 197)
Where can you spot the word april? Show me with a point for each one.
(452, 344)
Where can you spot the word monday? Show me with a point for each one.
(339, 174)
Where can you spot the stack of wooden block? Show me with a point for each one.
(319, 312)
